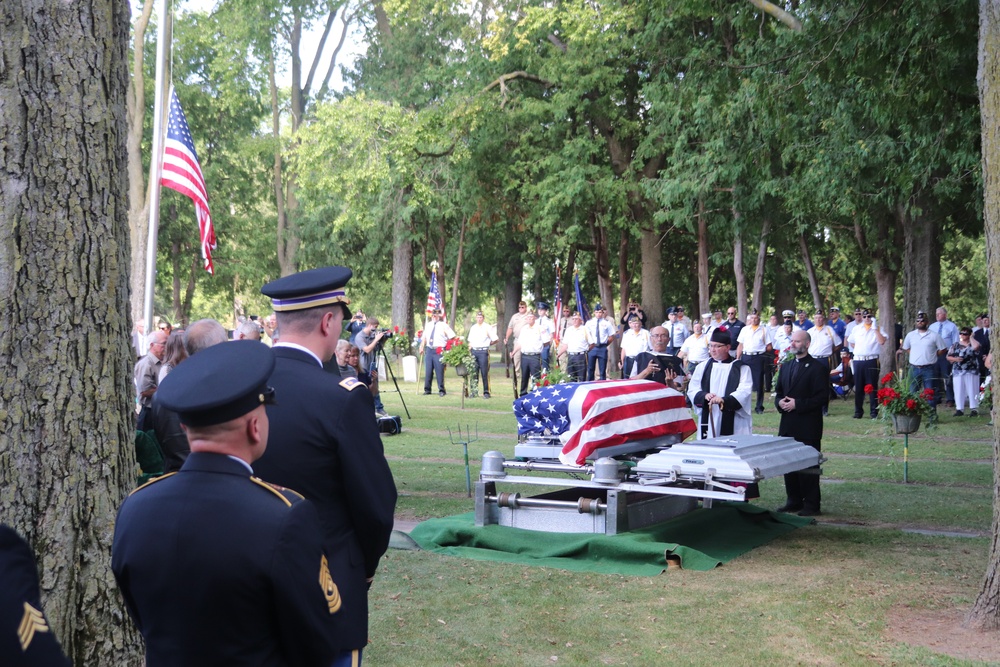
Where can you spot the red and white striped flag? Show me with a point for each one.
(433, 293)
(182, 172)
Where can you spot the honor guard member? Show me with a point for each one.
(601, 332)
(517, 320)
(576, 342)
(325, 442)
(215, 566)
(837, 324)
(866, 340)
(753, 349)
(436, 334)
(481, 338)
(26, 638)
(720, 391)
(529, 345)
(824, 344)
(677, 332)
(695, 348)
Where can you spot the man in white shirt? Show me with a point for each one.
(677, 333)
(720, 391)
(754, 344)
(695, 348)
(824, 343)
(481, 338)
(635, 341)
(866, 340)
(436, 334)
(576, 343)
(548, 328)
(924, 347)
(529, 344)
(857, 321)
(601, 332)
(517, 321)
(948, 331)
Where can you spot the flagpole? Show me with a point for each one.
(155, 164)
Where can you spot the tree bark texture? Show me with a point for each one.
(458, 271)
(758, 274)
(704, 293)
(66, 421)
(652, 270)
(985, 613)
(402, 277)
(738, 273)
(921, 263)
(138, 214)
(810, 271)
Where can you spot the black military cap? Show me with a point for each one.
(921, 315)
(598, 306)
(671, 310)
(309, 289)
(541, 305)
(219, 384)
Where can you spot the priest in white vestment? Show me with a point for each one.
(720, 391)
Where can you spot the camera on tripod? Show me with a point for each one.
(386, 334)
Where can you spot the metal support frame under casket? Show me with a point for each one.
(613, 495)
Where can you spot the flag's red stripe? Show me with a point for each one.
(623, 413)
(185, 177)
(631, 387)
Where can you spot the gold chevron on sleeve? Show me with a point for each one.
(34, 621)
(329, 587)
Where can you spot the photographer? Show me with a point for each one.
(369, 341)
(634, 310)
(356, 324)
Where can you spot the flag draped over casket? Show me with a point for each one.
(587, 416)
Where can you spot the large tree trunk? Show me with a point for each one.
(458, 272)
(758, 274)
(513, 288)
(784, 285)
(138, 213)
(704, 293)
(739, 274)
(985, 612)
(810, 271)
(402, 277)
(652, 271)
(67, 419)
(921, 262)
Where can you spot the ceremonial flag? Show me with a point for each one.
(434, 293)
(182, 172)
(557, 304)
(581, 304)
(590, 415)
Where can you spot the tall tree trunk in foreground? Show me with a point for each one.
(66, 423)
(985, 614)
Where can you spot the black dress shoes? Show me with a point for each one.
(858, 415)
(759, 411)
(789, 507)
(809, 512)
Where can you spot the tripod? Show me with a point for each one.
(374, 369)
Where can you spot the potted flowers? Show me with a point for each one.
(456, 353)
(899, 401)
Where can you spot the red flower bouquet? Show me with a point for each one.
(895, 396)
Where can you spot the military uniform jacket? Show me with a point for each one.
(809, 387)
(217, 568)
(26, 640)
(324, 443)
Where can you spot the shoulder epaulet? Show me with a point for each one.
(153, 481)
(350, 384)
(287, 496)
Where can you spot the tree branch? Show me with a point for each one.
(778, 13)
(502, 80)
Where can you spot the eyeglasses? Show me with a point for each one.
(868, 317)
(163, 328)
(657, 335)
(964, 334)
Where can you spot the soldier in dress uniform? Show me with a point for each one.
(26, 640)
(217, 567)
(325, 442)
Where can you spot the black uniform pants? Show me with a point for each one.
(576, 366)
(756, 364)
(483, 368)
(531, 364)
(865, 373)
(802, 487)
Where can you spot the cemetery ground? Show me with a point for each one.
(884, 577)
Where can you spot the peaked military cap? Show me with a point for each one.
(671, 310)
(834, 308)
(787, 313)
(310, 289)
(220, 383)
(598, 306)
(541, 305)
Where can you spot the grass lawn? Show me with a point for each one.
(827, 594)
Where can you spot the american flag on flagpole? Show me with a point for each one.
(433, 293)
(590, 415)
(182, 172)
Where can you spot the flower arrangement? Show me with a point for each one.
(455, 352)
(986, 393)
(550, 377)
(399, 342)
(895, 396)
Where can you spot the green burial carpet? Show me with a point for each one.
(699, 540)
